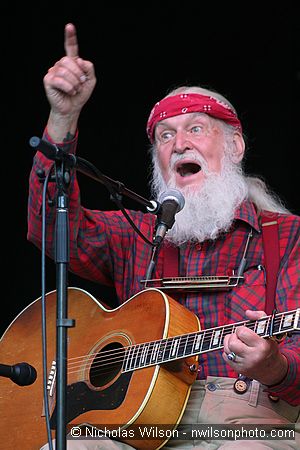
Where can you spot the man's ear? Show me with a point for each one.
(238, 148)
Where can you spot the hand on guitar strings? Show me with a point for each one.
(253, 356)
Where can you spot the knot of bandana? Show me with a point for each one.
(188, 103)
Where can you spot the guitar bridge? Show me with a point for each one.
(51, 379)
(50, 388)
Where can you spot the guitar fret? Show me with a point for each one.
(182, 346)
(173, 352)
(277, 324)
(269, 325)
(164, 357)
(216, 338)
(167, 350)
(296, 324)
(222, 337)
(287, 322)
(132, 358)
(198, 338)
(211, 339)
(154, 351)
(183, 353)
(281, 322)
(189, 345)
(143, 354)
(161, 351)
(151, 350)
(148, 354)
(261, 327)
(205, 343)
(137, 357)
(127, 359)
(202, 342)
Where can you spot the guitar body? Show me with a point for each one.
(148, 396)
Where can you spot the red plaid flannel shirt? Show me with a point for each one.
(104, 248)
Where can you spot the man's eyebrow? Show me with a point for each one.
(196, 116)
(162, 124)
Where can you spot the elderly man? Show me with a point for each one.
(197, 148)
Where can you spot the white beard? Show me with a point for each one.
(209, 210)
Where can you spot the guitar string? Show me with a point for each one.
(117, 356)
(170, 340)
(207, 334)
(120, 354)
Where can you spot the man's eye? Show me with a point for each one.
(166, 136)
(196, 129)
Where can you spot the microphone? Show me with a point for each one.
(52, 151)
(22, 374)
(171, 202)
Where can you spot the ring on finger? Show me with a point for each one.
(231, 356)
(83, 78)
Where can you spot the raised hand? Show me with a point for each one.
(69, 83)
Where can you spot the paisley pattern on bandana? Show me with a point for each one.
(188, 103)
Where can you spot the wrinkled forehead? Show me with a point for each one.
(184, 118)
(186, 103)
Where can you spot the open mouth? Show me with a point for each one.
(186, 169)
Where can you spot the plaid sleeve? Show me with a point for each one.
(86, 236)
(288, 299)
(289, 388)
(103, 246)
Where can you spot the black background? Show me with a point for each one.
(247, 51)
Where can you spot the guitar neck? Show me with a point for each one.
(165, 350)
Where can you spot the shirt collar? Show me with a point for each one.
(247, 213)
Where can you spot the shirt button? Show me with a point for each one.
(211, 387)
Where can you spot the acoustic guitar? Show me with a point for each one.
(128, 368)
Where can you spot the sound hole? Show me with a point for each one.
(107, 364)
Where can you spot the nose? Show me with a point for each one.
(181, 142)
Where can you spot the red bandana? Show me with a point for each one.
(188, 103)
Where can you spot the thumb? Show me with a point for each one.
(255, 315)
(87, 67)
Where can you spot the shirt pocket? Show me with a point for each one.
(249, 294)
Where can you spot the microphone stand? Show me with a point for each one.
(63, 323)
(63, 163)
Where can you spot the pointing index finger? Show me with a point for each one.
(71, 43)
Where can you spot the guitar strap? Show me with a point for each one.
(271, 252)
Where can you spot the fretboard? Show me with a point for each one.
(165, 350)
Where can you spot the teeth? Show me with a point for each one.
(186, 174)
(188, 169)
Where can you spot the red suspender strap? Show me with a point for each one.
(272, 258)
(271, 255)
(171, 261)
(171, 266)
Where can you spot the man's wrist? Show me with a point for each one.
(61, 128)
(278, 372)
